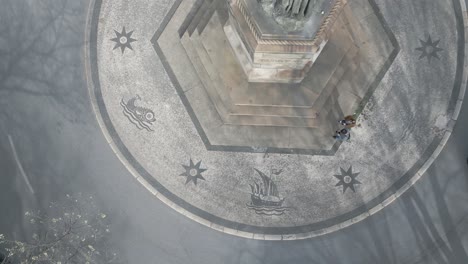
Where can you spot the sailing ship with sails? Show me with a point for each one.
(266, 194)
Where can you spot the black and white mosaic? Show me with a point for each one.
(193, 172)
(347, 179)
(265, 197)
(429, 49)
(141, 117)
(123, 40)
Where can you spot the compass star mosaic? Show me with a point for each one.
(347, 179)
(193, 172)
(123, 40)
(429, 49)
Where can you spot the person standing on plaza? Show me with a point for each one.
(348, 121)
(343, 134)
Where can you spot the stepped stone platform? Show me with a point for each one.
(235, 113)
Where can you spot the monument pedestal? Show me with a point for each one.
(267, 52)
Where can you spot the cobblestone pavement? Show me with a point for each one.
(138, 62)
(61, 149)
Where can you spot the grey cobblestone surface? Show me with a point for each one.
(409, 99)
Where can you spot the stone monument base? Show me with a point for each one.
(268, 53)
(270, 67)
(300, 117)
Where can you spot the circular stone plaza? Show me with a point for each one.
(225, 110)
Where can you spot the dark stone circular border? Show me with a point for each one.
(258, 232)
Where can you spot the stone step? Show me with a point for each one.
(188, 19)
(223, 12)
(344, 66)
(329, 61)
(307, 112)
(207, 16)
(335, 112)
(211, 68)
(352, 88)
(198, 16)
(204, 76)
(277, 121)
(277, 99)
(353, 24)
(274, 94)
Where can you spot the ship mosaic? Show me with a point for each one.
(265, 197)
